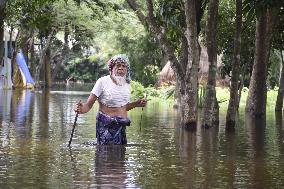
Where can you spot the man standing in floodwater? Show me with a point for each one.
(113, 94)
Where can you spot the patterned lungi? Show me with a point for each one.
(111, 129)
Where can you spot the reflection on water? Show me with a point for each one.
(256, 134)
(110, 166)
(36, 126)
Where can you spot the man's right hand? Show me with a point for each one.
(78, 107)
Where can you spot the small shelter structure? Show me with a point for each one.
(167, 75)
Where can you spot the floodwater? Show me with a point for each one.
(35, 129)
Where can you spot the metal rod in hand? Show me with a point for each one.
(142, 113)
(141, 118)
(77, 113)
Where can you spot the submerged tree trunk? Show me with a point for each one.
(210, 108)
(280, 95)
(47, 69)
(256, 101)
(189, 99)
(186, 76)
(33, 59)
(235, 86)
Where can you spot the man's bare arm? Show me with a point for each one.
(85, 107)
(137, 103)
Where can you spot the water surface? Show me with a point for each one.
(35, 128)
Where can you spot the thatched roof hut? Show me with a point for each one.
(167, 75)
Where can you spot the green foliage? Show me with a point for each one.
(170, 15)
(139, 91)
(226, 32)
(170, 92)
(201, 96)
(126, 35)
(274, 65)
(145, 58)
(37, 14)
(83, 24)
(225, 40)
(86, 23)
(278, 37)
(108, 27)
(87, 70)
(254, 8)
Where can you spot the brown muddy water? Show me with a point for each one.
(35, 128)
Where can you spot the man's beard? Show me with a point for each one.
(120, 80)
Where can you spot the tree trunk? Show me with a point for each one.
(209, 117)
(2, 17)
(1, 40)
(183, 61)
(256, 101)
(279, 101)
(13, 61)
(234, 93)
(186, 72)
(187, 77)
(33, 59)
(189, 99)
(47, 70)
(43, 51)
(64, 56)
(184, 55)
(23, 44)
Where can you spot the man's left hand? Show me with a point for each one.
(141, 102)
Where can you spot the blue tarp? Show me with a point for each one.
(24, 68)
